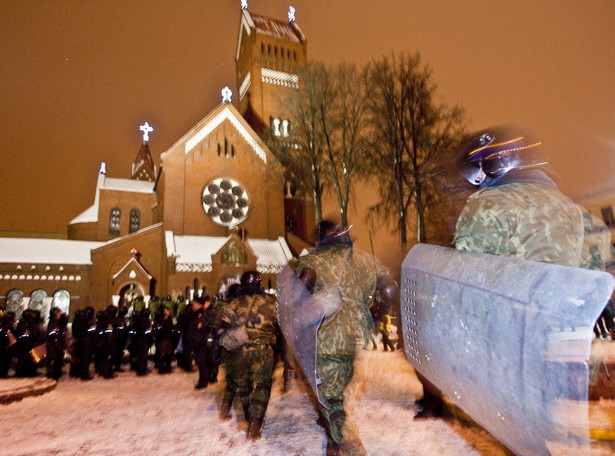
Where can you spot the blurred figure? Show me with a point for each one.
(374, 310)
(214, 350)
(164, 336)
(184, 347)
(384, 327)
(84, 333)
(30, 334)
(121, 331)
(141, 340)
(519, 211)
(359, 277)
(249, 367)
(605, 326)
(199, 328)
(57, 333)
(7, 341)
(105, 346)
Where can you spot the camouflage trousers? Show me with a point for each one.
(249, 372)
(335, 373)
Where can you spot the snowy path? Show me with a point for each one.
(164, 415)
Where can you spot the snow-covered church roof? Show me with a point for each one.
(46, 251)
(116, 184)
(194, 253)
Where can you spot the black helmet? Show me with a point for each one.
(495, 151)
(250, 281)
(53, 311)
(332, 232)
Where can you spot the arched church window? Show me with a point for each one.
(263, 48)
(269, 49)
(114, 221)
(275, 50)
(38, 301)
(282, 53)
(135, 220)
(15, 302)
(61, 300)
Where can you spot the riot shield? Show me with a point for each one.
(300, 314)
(506, 340)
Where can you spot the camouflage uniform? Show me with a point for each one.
(533, 222)
(340, 333)
(249, 369)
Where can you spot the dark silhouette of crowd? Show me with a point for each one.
(141, 338)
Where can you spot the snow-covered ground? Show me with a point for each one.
(165, 415)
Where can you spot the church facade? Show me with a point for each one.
(214, 206)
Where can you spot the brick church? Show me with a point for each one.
(216, 205)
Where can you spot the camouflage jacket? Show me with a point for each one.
(339, 333)
(533, 222)
(261, 321)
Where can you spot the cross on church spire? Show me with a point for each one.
(226, 95)
(146, 129)
(244, 4)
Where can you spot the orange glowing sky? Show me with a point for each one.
(78, 77)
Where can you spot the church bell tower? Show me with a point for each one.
(269, 54)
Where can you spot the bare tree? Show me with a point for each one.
(413, 137)
(329, 141)
(344, 125)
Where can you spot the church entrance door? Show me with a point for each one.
(129, 292)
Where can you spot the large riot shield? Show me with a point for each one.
(506, 340)
(300, 314)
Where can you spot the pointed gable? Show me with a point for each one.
(224, 112)
(143, 167)
(221, 150)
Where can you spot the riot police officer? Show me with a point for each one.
(56, 342)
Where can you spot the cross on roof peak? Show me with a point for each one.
(146, 129)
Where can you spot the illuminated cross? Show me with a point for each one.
(146, 129)
(226, 95)
(291, 14)
(244, 4)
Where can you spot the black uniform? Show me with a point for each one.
(56, 343)
(199, 330)
(141, 340)
(121, 339)
(6, 342)
(84, 332)
(184, 356)
(105, 345)
(165, 336)
(29, 333)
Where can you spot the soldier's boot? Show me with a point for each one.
(254, 431)
(246, 412)
(243, 422)
(225, 410)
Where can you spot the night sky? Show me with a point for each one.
(78, 77)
